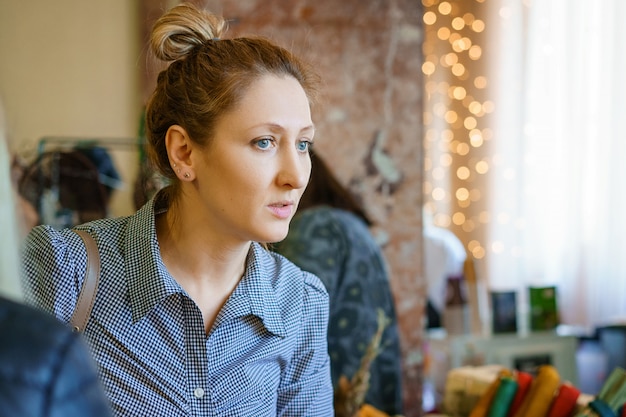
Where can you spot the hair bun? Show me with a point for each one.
(182, 28)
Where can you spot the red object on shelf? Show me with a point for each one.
(564, 401)
(524, 379)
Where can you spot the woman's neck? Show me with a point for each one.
(205, 266)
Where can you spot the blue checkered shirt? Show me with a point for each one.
(266, 354)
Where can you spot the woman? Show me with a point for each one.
(330, 238)
(193, 315)
(45, 368)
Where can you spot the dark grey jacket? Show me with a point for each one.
(45, 368)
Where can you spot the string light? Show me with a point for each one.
(455, 113)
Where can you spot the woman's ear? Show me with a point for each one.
(179, 147)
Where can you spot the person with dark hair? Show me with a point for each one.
(193, 315)
(329, 236)
(45, 368)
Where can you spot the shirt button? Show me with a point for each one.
(198, 393)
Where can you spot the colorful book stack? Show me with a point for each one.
(519, 394)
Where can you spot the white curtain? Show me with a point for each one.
(558, 181)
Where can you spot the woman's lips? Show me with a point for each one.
(281, 210)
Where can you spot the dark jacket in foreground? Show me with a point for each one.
(45, 368)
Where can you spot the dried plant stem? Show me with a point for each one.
(351, 394)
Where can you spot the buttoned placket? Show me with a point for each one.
(196, 362)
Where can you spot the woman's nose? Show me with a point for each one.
(295, 169)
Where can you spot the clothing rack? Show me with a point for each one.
(57, 182)
(86, 142)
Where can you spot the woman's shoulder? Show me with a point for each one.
(47, 246)
(56, 243)
(47, 233)
(299, 296)
(54, 263)
(290, 277)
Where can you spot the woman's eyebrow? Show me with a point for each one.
(275, 127)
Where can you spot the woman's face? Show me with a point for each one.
(252, 175)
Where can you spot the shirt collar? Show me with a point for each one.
(258, 286)
(149, 282)
(148, 279)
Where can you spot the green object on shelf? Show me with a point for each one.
(543, 308)
(504, 397)
(611, 397)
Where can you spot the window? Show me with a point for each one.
(525, 145)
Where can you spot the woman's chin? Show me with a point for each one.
(275, 237)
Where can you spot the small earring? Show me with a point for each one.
(178, 170)
(186, 175)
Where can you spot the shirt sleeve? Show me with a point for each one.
(307, 390)
(54, 263)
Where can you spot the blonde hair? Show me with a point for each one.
(207, 76)
(10, 269)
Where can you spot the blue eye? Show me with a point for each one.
(264, 143)
(304, 146)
